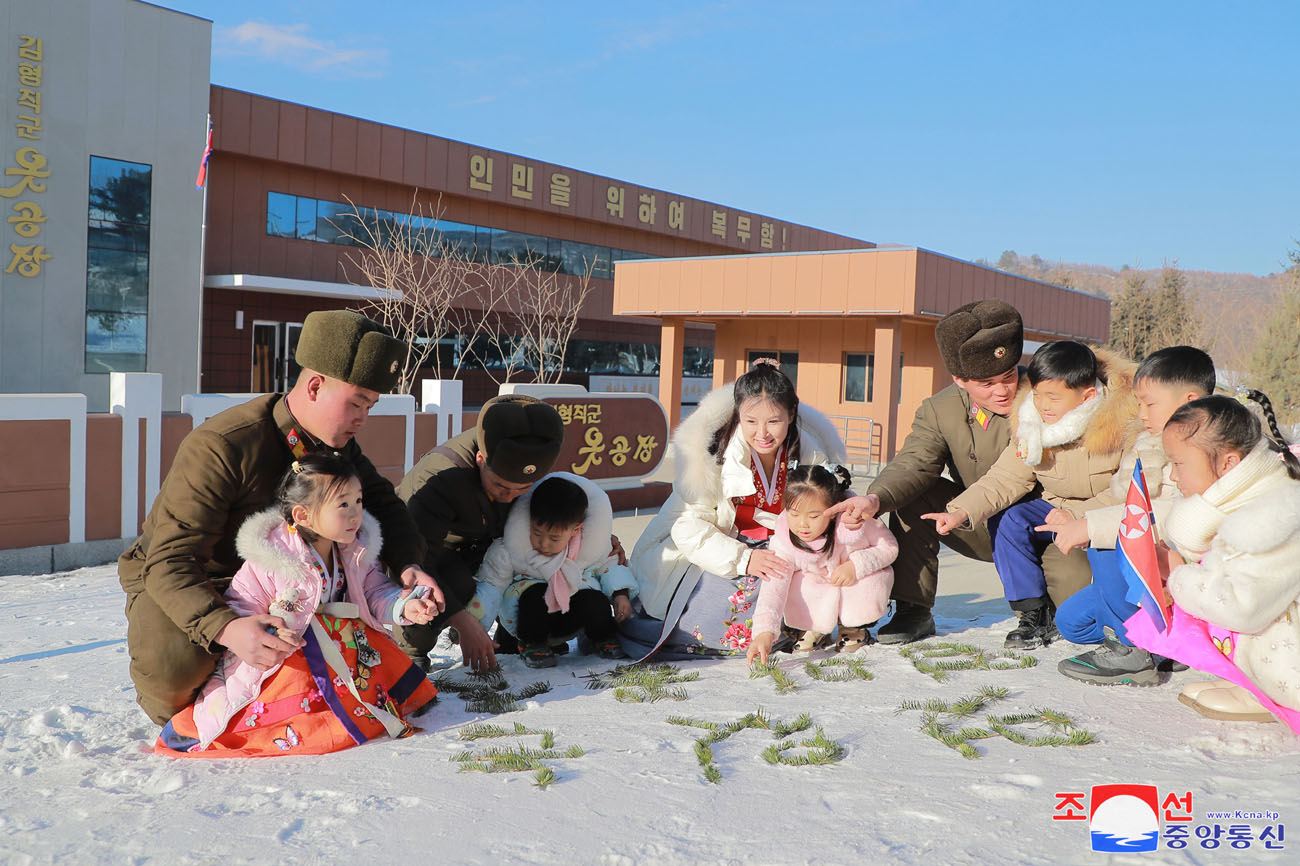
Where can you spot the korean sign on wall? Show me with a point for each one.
(611, 436)
(22, 187)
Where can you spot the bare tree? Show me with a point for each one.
(545, 306)
(515, 315)
(426, 286)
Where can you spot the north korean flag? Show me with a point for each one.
(1137, 552)
(203, 163)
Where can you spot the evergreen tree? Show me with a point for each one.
(1062, 277)
(1131, 318)
(1175, 322)
(1275, 364)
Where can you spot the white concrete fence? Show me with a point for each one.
(138, 396)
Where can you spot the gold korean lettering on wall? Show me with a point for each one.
(743, 229)
(766, 234)
(676, 215)
(596, 442)
(646, 211)
(521, 181)
(720, 223)
(561, 189)
(25, 180)
(614, 196)
(480, 172)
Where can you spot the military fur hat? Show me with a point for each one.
(981, 340)
(343, 344)
(519, 437)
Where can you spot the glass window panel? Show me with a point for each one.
(855, 378)
(329, 216)
(577, 258)
(458, 237)
(117, 265)
(788, 361)
(517, 247)
(899, 383)
(425, 234)
(120, 191)
(263, 364)
(696, 361)
(115, 342)
(305, 221)
(281, 212)
(394, 228)
(484, 237)
(118, 236)
(117, 281)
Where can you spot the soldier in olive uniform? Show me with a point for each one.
(963, 429)
(459, 495)
(178, 624)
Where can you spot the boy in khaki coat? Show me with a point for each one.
(1069, 437)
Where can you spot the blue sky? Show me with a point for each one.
(1106, 132)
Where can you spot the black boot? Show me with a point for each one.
(911, 622)
(506, 643)
(1037, 626)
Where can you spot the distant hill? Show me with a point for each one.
(1231, 306)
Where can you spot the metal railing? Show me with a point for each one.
(863, 440)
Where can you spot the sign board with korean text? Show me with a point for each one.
(613, 439)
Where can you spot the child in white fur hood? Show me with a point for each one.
(552, 574)
(1234, 558)
(1069, 437)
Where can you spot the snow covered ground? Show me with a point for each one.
(78, 784)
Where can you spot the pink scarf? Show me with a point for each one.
(558, 590)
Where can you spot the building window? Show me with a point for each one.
(859, 377)
(899, 384)
(789, 362)
(281, 215)
(117, 265)
(697, 361)
(309, 219)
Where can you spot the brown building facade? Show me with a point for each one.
(854, 329)
(281, 174)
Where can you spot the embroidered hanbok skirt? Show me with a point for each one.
(708, 617)
(305, 707)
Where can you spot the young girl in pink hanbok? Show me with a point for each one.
(841, 576)
(312, 560)
(1234, 563)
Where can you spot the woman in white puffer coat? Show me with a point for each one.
(698, 563)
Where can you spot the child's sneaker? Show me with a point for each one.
(854, 639)
(610, 649)
(541, 656)
(1111, 664)
(810, 641)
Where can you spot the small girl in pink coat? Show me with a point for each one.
(840, 576)
(311, 561)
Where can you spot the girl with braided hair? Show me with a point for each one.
(1234, 557)
(699, 562)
